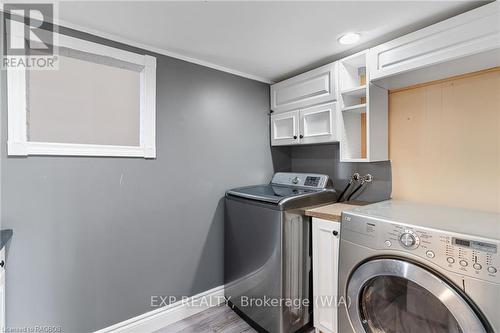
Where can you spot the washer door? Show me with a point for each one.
(396, 296)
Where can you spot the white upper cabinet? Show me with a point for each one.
(310, 88)
(285, 128)
(347, 100)
(447, 43)
(318, 124)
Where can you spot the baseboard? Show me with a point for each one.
(164, 316)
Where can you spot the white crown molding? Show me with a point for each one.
(154, 320)
(158, 50)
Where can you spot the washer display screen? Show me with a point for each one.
(311, 181)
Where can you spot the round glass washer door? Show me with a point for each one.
(396, 296)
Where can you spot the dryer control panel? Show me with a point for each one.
(467, 255)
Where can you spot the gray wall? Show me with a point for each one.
(326, 159)
(94, 238)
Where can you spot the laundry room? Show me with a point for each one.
(249, 166)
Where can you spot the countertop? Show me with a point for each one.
(332, 211)
(5, 236)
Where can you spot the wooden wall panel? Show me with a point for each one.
(444, 142)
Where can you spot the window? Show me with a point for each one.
(101, 101)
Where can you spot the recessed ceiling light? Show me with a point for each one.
(349, 38)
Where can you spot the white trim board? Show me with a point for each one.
(158, 50)
(17, 96)
(154, 320)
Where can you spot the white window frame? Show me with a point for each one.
(18, 144)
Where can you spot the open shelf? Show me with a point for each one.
(363, 116)
(356, 92)
(358, 108)
(354, 145)
(352, 83)
(353, 98)
(352, 74)
(356, 60)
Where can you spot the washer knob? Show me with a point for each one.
(295, 180)
(407, 239)
(492, 270)
(477, 266)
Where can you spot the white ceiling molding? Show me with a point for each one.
(264, 41)
(157, 50)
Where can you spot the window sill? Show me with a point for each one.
(70, 149)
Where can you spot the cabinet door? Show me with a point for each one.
(460, 36)
(285, 128)
(313, 87)
(325, 274)
(318, 124)
(2, 290)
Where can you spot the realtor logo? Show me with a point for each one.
(29, 36)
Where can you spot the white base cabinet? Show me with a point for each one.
(310, 88)
(326, 241)
(2, 290)
(316, 124)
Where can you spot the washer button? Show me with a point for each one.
(477, 266)
(388, 243)
(430, 254)
(492, 270)
(450, 260)
(463, 263)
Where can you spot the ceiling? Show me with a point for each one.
(267, 40)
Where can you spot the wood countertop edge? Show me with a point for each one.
(324, 216)
(330, 212)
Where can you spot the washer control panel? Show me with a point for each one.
(465, 255)
(308, 180)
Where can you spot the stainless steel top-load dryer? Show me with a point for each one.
(267, 274)
(408, 268)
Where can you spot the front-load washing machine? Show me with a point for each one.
(416, 268)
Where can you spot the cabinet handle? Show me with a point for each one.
(301, 136)
(294, 137)
(2, 263)
(335, 232)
